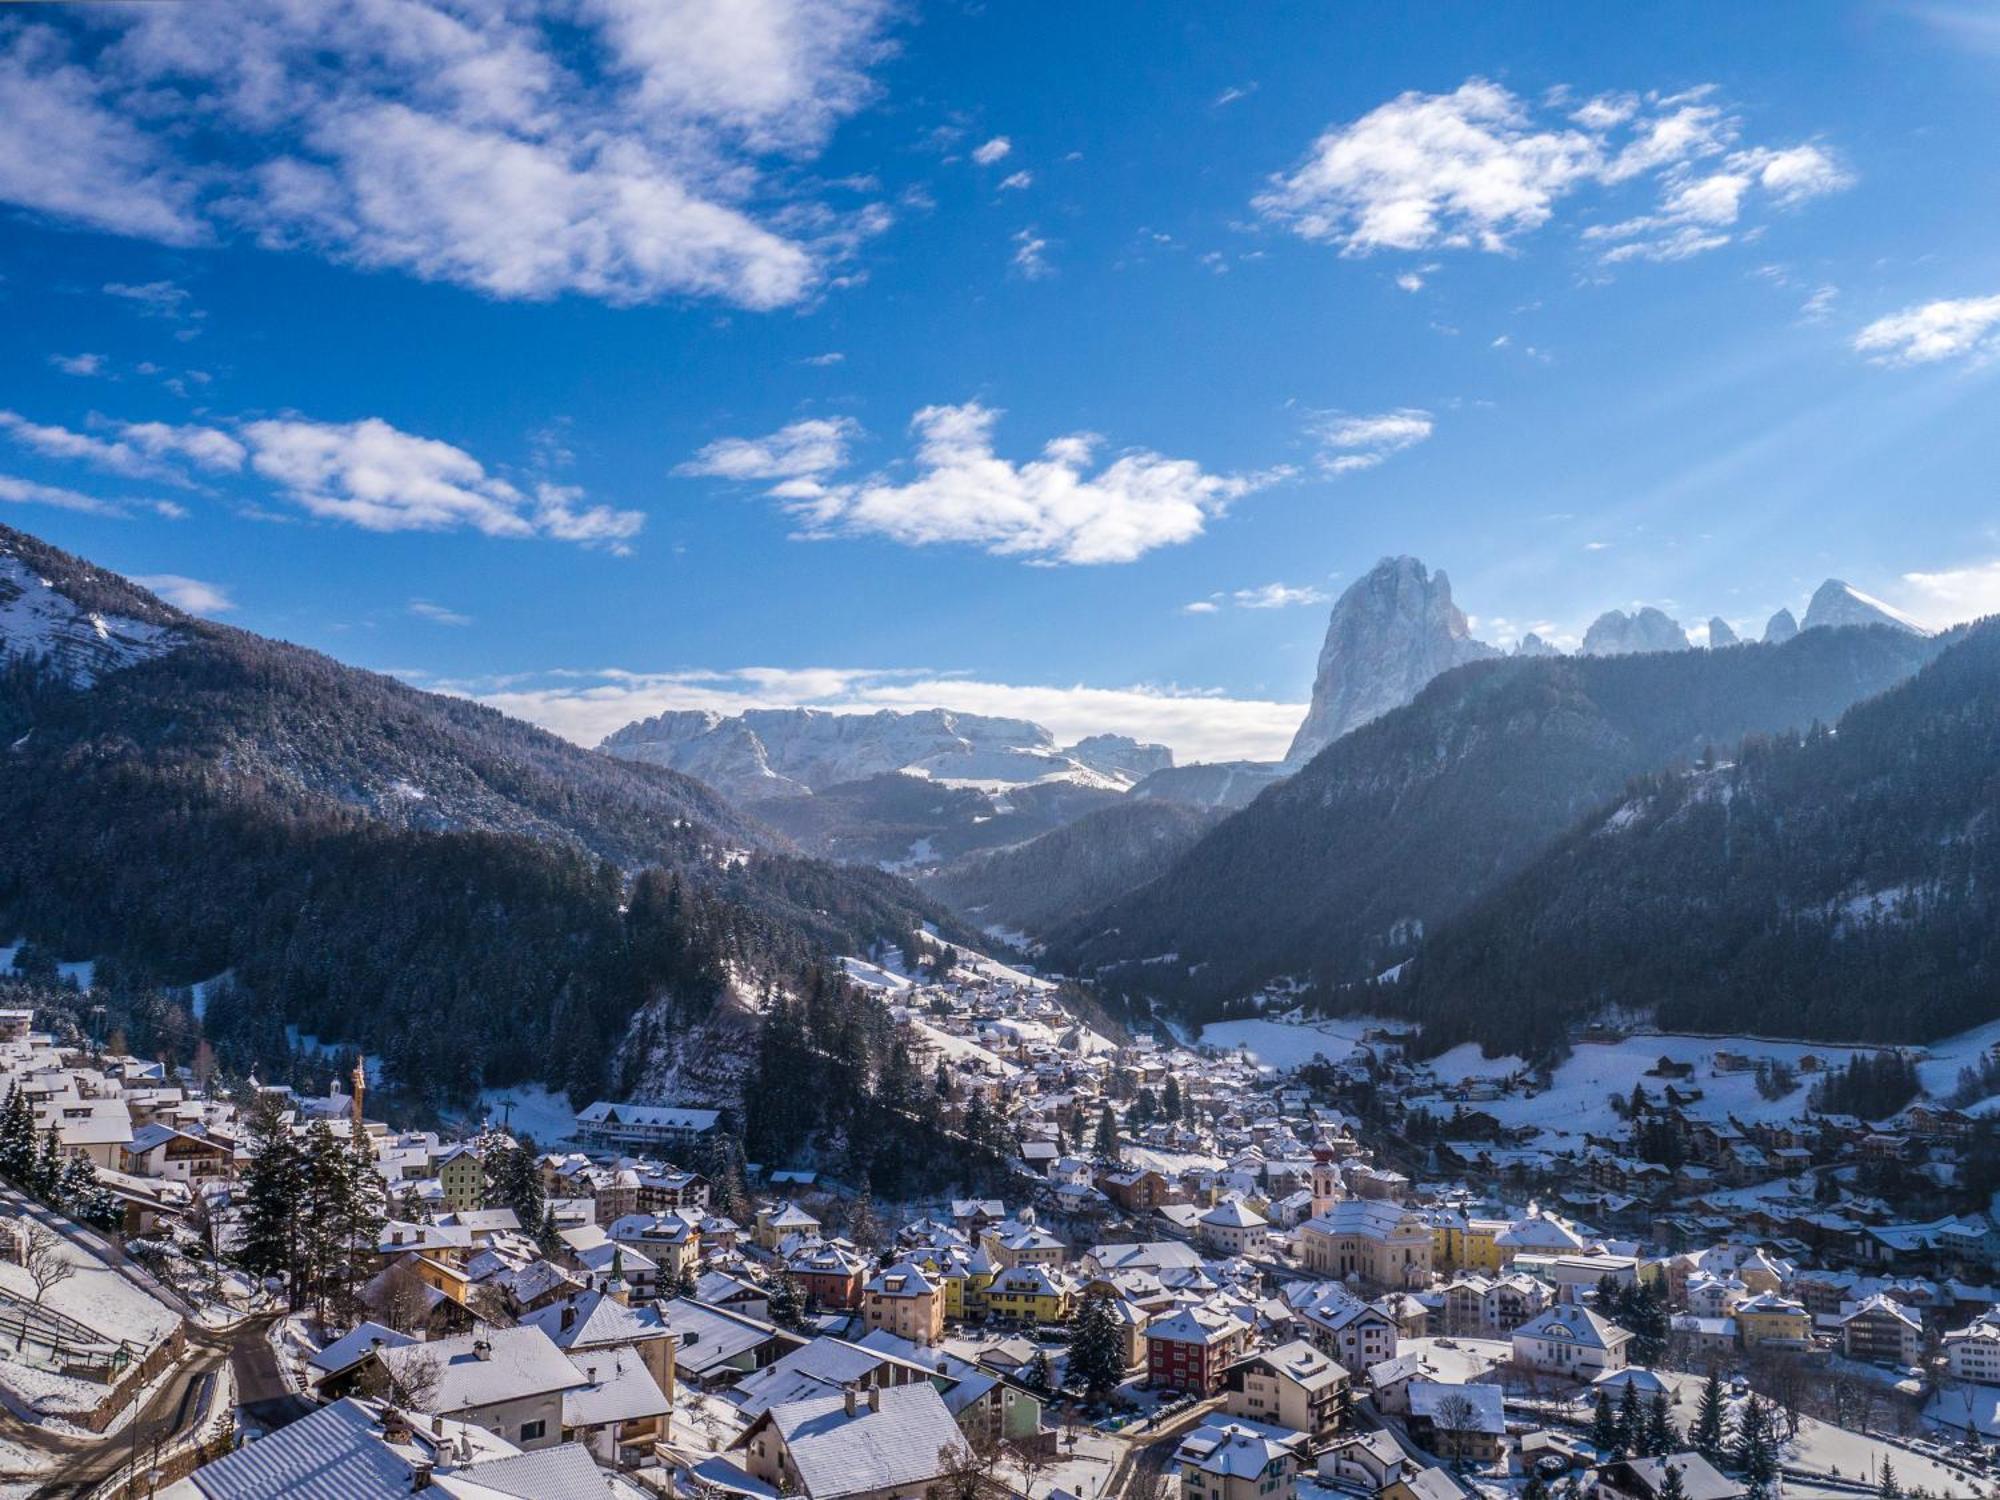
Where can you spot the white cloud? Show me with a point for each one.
(1028, 257)
(1410, 281)
(1480, 168)
(190, 594)
(1819, 306)
(991, 151)
(1201, 607)
(437, 614)
(1349, 443)
(1017, 180)
(803, 449)
(1278, 596)
(156, 299)
(1951, 329)
(821, 361)
(1955, 594)
(78, 364)
(1051, 509)
(1234, 92)
(619, 149)
(141, 450)
(370, 474)
(1198, 725)
(17, 491)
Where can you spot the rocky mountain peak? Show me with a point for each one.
(1721, 634)
(1836, 602)
(1780, 628)
(1615, 633)
(1391, 632)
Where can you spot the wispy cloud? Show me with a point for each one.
(190, 594)
(1059, 508)
(437, 614)
(1952, 595)
(1265, 596)
(1349, 443)
(78, 364)
(1030, 257)
(136, 450)
(989, 152)
(1957, 328)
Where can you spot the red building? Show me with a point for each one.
(1189, 1351)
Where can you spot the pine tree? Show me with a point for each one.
(1756, 1452)
(1671, 1485)
(17, 1138)
(548, 1239)
(1631, 1420)
(1096, 1348)
(1036, 1376)
(1660, 1438)
(788, 1303)
(1710, 1436)
(1604, 1424)
(1170, 1100)
(1888, 1488)
(1107, 1135)
(274, 1188)
(48, 1166)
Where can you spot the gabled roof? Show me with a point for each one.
(598, 1321)
(892, 1447)
(619, 1388)
(520, 1362)
(352, 1348)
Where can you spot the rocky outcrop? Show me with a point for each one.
(1836, 603)
(1533, 645)
(1390, 633)
(1121, 756)
(1615, 633)
(1720, 634)
(1780, 628)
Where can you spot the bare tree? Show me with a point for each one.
(409, 1378)
(964, 1472)
(400, 1298)
(47, 1260)
(1454, 1418)
(1033, 1459)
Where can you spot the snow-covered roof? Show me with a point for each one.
(891, 1440)
(516, 1363)
(620, 1389)
(354, 1346)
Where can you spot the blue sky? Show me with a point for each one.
(1052, 360)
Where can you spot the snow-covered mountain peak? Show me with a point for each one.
(1837, 602)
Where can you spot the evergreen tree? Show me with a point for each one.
(1036, 1376)
(1671, 1485)
(548, 1239)
(1604, 1424)
(1660, 1438)
(1756, 1450)
(788, 1303)
(1170, 1099)
(80, 1195)
(48, 1167)
(1631, 1420)
(274, 1189)
(1888, 1488)
(1107, 1135)
(1096, 1348)
(17, 1138)
(1710, 1436)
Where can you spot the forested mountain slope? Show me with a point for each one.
(1035, 886)
(372, 864)
(1833, 885)
(1333, 875)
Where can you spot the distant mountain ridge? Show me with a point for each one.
(792, 752)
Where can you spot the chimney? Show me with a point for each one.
(849, 1403)
(481, 1349)
(568, 1318)
(437, 1427)
(420, 1477)
(874, 1398)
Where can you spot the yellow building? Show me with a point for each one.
(1031, 1294)
(1768, 1318)
(462, 1175)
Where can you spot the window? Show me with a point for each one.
(530, 1431)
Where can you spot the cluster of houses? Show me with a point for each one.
(1292, 1306)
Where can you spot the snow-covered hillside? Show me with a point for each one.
(38, 620)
